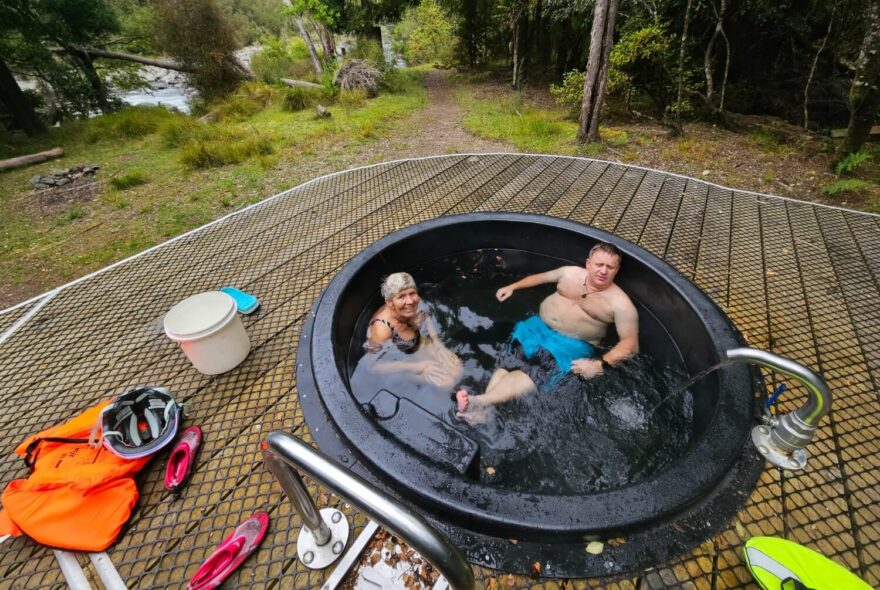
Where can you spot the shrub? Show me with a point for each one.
(131, 122)
(570, 94)
(279, 60)
(359, 74)
(75, 212)
(642, 60)
(237, 106)
(262, 93)
(215, 153)
(399, 81)
(177, 132)
(299, 98)
(425, 35)
(129, 180)
(370, 51)
(352, 98)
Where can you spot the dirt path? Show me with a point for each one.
(437, 129)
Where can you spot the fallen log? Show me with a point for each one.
(299, 83)
(20, 161)
(103, 53)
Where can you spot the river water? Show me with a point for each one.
(170, 96)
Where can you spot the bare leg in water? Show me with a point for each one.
(503, 386)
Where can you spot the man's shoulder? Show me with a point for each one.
(570, 270)
(620, 297)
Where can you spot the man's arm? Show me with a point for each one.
(551, 276)
(626, 321)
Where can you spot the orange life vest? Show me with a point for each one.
(77, 497)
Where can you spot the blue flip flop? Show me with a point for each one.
(245, 302)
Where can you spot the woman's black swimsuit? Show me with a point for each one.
(402, 344)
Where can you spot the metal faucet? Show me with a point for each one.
(782, 439)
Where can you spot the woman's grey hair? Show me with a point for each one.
(395, 283)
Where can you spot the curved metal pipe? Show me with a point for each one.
(793, 431)
(406, 524)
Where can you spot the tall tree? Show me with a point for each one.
(601, 42)
(679, 101)
(69, 25)
(864, 94)
(520, 42)
(21, 111)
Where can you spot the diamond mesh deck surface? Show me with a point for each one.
(797, 279)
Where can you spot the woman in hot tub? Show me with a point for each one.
(398, 325)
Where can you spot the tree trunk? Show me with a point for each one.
(726, 69)
(299, 83)
(520, 44)
(601, 40)
(716, 107)
(540, 36)
(707, 65)
(813, 71)
(329, 44)
(684, 33)
(607, 44)
(864, 94)
(103, 53)
(316, 63)
(99, 91)
(23, 114)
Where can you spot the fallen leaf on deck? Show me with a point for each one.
(595, 547)
(490, 470)
(513, 541)
(616, 542)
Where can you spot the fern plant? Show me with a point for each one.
(849, 184)
(851, 162)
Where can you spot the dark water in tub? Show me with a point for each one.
(584, 436)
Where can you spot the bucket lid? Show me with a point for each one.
(199, 315)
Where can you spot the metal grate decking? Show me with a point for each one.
(798, 279)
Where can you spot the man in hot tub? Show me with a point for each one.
(564, 336)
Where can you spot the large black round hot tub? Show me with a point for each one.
(652, 519)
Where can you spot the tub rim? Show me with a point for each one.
(540, 515)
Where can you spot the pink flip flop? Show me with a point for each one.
(231, 553)
(182, 460)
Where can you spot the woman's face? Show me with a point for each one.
(405, 303)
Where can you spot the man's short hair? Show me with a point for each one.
(607, 248)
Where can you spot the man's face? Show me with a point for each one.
(405, 303)
(601, 268)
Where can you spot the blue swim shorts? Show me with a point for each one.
(542, 353)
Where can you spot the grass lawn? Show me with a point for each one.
(164, 173)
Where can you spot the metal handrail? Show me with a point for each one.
(379, 506)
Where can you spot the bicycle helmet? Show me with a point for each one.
(140, 422)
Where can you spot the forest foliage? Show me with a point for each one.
(794, 60)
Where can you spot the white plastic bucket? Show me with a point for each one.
(210, 332)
